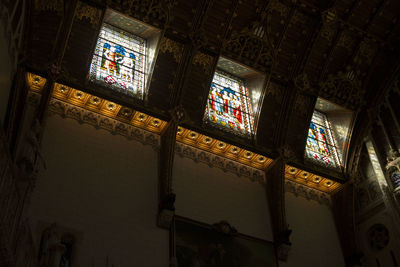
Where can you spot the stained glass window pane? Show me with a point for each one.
(119, 61)
(228, 105)
(320, 145)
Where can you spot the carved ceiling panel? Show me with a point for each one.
(340, 50)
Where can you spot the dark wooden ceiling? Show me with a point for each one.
(341, 50)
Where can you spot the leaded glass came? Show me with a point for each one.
(119, 61)
(320, 143)
(228, 105)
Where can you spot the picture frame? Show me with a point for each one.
(196, 244)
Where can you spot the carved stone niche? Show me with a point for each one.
(166, 211)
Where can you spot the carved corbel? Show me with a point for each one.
(166, 211)
(225, 228)
(283, 244)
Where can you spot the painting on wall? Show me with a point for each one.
(198, 245)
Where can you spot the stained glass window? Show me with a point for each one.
(228, 105)
(320, 142)
(119, 61)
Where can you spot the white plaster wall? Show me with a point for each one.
(104, 187)
(210, 195)
(315, 241)
(5, 73)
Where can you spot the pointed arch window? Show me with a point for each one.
(229, 106)
(321, 146)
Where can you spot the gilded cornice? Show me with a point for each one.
(98, 105)
(311, 180)
(226, 164)
(117, 119)
(35, 82)
(307, 192)
(223, 149)
(99, 121)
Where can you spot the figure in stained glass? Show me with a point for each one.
(319, 142)
(228, 105)
(119, 61)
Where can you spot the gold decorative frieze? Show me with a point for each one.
(223, 149)
(311, 180)
(98, 105)
(307, 192)
(35, 82)
(249, 158)
(116, 118)
(102, 121)
(221, 162)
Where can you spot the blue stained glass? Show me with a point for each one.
(228, 105)
(119, 61)
(320, 144)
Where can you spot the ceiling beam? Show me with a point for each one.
(57, 55)
(366, 27)
(333, 45)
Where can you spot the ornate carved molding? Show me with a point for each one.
(303, 84)
(251, 45)
(155, 12)
(203, 60)
(222, 149)
(308, 193)
(175, 48)
(213, 160)
(278, 7)
(311, 180)
(35, 82)
(286, 153)
(89, 12)
(343, 89)
(99, 121)
(50, 5)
